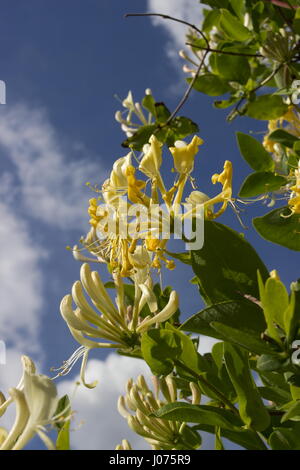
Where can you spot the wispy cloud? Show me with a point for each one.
(50, 185)
(188, 10)
(102, 426)
(20, 283)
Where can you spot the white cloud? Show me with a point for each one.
(206, 343)
(187, 10)
(103, 427)
(20, 286)
(51, 188)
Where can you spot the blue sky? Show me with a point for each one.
(64, 63)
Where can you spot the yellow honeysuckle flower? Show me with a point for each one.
(225, 178)
(294, 201)
(152, 159)
(134, 188)
(118, 179)
(184, 154)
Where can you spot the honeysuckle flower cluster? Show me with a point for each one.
(123, 191)
(106, 324)
(289, 122)
(35, 399)
(139, 404)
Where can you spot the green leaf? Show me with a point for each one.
(242, 314)
(266, 107)
(268, 363)
(283, 137)
(293, 412)
(210, 84)
(232, 27)
(204, 414)
(182, 127)
(226, 266)
(184, 257)
(148, 102)
(218, 440)
(244, 437)
(140, 137)
(273, 395)
(233, 67)
(223, 104)
(63, 409)
(63, 438)
(275, 300)
(162, 113)
(160, 348)
(261, 182)
(244, 339)
(254, 153)
(210, 20)
(285, 439)
(284, 231)
(251, 408)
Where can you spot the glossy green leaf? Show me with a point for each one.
(140, 137)
(254, 153)
(251, 408)
(233, 67)
(226, 266)
(232, 27)
(269, 363)
(160, 348)
(182, 126)
(285, 439)
(242, 314)
(266, 107)
(279, 226)
(244, 437)
(293, 412)
(203, 414)
(283, 137)
(63, 438)
(249, 341)
(261, 182)
(210, 84)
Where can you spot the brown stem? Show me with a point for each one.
(219, 51)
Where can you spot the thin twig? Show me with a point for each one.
(187, 92)
(220, 51)
(190, 87)
(168, 17)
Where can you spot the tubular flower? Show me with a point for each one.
(151, 162)
(184, 154)
(134, 110)
(125, 445)
(225, 178)
(35, 398)
(294, 201)
(104, 324)
(140, 402)
(134, 188)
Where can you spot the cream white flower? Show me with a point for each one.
(35, 398)
(109, 325)
(140, 402)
